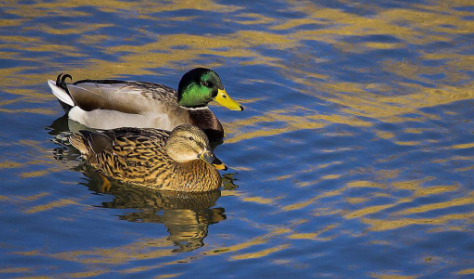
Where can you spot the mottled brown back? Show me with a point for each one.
(137, 156)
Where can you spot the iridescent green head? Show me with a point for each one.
(200, 86)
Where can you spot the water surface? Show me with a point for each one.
(353, 158)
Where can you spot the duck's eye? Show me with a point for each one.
(191, 138)
(205, 83)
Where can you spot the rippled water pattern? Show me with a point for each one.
(354, 157)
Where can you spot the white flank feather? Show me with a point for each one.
(60, 93)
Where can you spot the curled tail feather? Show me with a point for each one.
(59, 89)
(61, 81)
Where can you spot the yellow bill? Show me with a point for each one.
(225, 100)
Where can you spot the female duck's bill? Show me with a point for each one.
(209, 157)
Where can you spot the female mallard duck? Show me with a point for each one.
(181, 160)
(110, 104)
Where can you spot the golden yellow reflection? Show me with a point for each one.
(383, 225)
(238, 247)
(86, 274)
(165, 276)
(354, 97)
(51, 205)
(16, 270)
(374, 209)
(360, 105)
(315, 235)
(9, 165)
(392, 276)
(34, 197)
(259, 200)
(466, 271)
(261, 253)
(434, 190)
(436, 206)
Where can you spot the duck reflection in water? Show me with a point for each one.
(186, 216)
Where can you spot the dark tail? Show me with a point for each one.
(61, 81)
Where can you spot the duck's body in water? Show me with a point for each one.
(111, 104)
(180, 160)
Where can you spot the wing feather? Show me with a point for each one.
(128, 97)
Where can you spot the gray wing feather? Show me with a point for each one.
(128, 97)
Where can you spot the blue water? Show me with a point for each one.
(353, 157)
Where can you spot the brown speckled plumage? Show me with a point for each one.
(141, 157)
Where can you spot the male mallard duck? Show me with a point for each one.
(110, 104)
(181, 160)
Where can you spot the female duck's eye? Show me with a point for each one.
(205, 83)
(191, 138)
